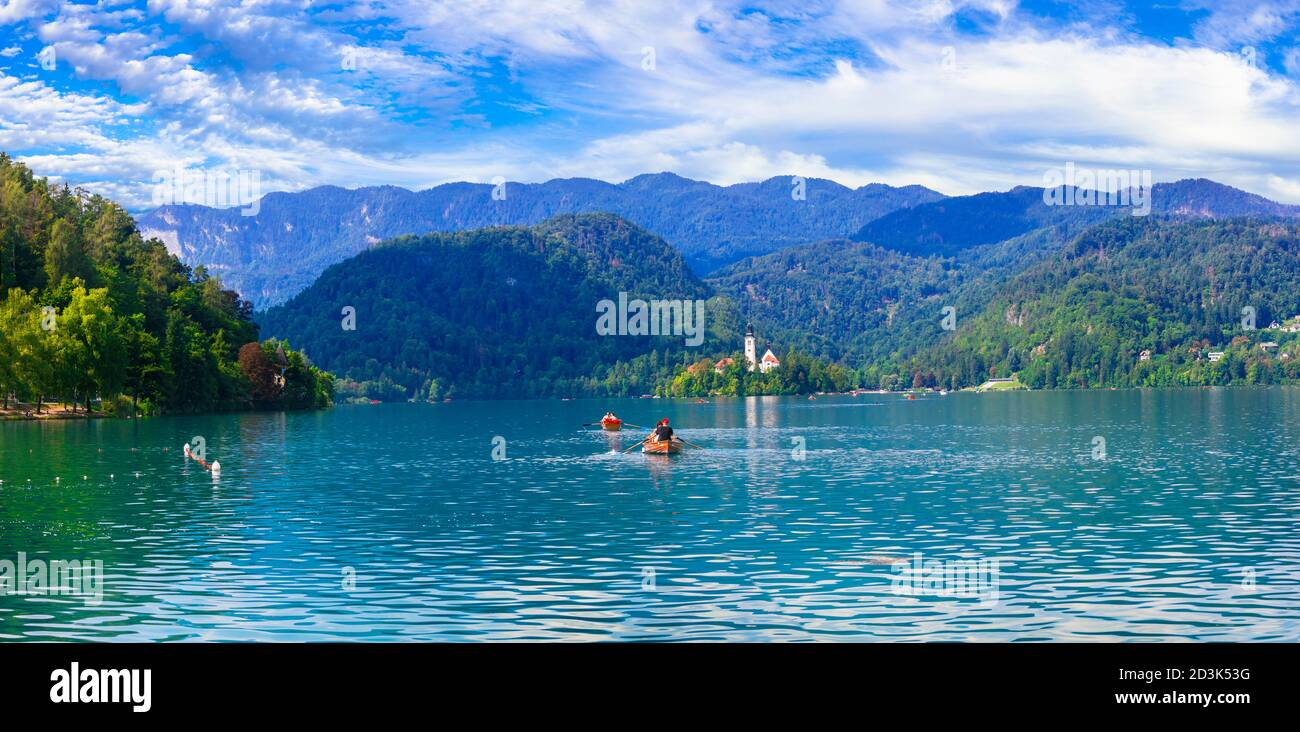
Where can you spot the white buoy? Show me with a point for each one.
(187, 449)
(216, 466)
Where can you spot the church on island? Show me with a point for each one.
(764, 365)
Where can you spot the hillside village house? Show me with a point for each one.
(1268, 346)
(1144, 356)
(1215, 356)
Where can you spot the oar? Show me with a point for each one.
(629, 424)
(692, 444)
(630, 449)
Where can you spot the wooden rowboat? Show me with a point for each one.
(613, 425)
(663, 448)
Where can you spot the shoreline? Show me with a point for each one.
(49, 413)
(60, 414)
(861, 392)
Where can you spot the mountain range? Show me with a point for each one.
(947, 226)
(835, 298)
(273, 255)
(1062, 295)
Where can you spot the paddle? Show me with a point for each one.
(691, 444)
(633, 447)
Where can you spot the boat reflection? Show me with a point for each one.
(661, 469)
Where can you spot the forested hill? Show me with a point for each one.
(91, 311)
(1083, 317)
(276, 253)
(859, 303)
(504, 311)
(511, 311)
(1059, 309)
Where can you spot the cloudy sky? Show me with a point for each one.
(958, 96)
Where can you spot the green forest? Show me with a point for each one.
(1059, 307)
(100, 319)
(96, 318)
(510, 312)
(1177, 292)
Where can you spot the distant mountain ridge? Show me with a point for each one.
(951, 225)
(275, 254)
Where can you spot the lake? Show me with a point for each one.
(1023, 516)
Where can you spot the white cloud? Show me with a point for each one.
(856, 92)
(1231, 23)
(14, 11)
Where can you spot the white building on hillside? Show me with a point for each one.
(769, 360)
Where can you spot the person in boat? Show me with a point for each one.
(662, 431)
(609, 417)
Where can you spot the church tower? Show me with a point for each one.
(751, 352)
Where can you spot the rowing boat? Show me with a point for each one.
(612, 425)
(663, 448)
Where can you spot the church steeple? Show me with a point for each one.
(751, 350)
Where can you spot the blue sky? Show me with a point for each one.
(959, 96)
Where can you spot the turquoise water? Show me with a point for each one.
(394, 522)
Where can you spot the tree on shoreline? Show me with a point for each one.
(91, 311)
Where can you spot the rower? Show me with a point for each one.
(662, 431)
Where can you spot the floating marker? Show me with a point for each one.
(216, 466)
